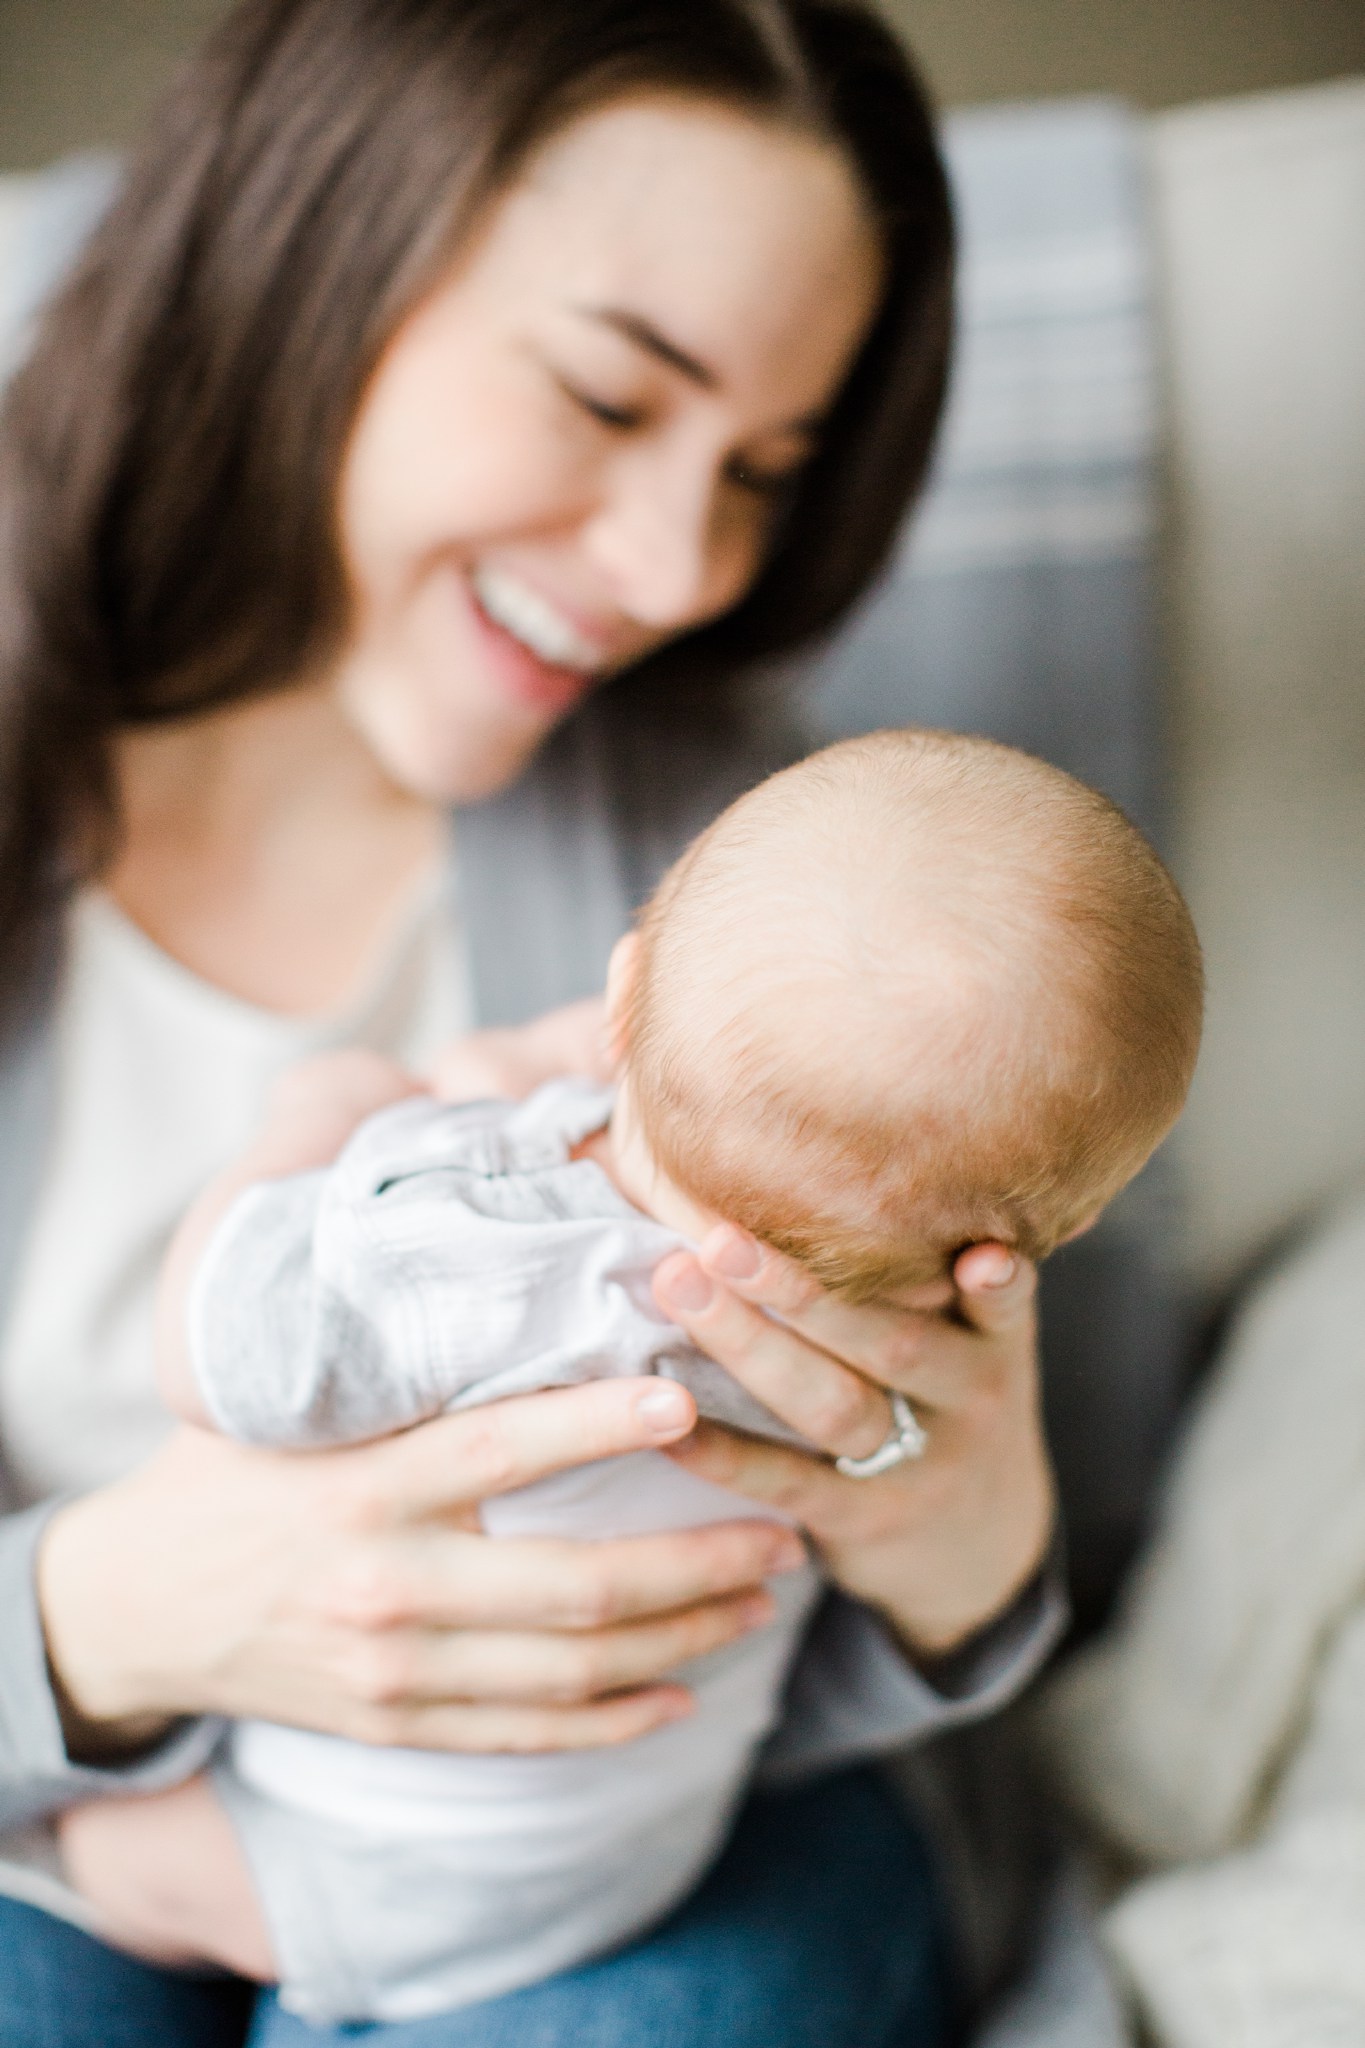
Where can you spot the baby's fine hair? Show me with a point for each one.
(918, 991)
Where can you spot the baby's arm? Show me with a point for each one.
(313, 1112)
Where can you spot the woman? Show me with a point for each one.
(460, 397)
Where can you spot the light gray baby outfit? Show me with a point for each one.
(451, 1256)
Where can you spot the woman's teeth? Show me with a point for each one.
(529, 618)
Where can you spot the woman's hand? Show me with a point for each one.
(352, 1590)
(939, 1545)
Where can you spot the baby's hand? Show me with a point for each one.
(315, 1107)
(511, 1063)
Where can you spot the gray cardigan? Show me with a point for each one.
(549, 875)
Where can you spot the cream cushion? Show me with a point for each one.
(1260, 226)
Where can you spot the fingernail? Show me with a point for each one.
(687, 1287)
(679, 1708)
(758, 1610)
(664, 1410)
(1002, 1273)
(734, 1254)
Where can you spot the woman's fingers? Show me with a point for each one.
(443, 1578)
(995, 1289)
(884, 1344)
(832, 1406)
(912, 1346)
(458, 1460)
(409, 1667)
(784, 1480)
(938, 1543)
(807, 1489)
(763, 1276)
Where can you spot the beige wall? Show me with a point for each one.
(73, 72)
(1259, 216)
(76, 72)
(1155, 52)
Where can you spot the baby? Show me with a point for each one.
(917, 992)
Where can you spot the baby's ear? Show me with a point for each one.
(623, 973)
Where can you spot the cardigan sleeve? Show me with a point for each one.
(855, 1694)
(37, 1776)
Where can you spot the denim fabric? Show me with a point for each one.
(61, 1989)
(818, 1928)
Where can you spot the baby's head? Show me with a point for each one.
(916, 992)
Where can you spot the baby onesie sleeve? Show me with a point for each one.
(421, 1272)
(281, 1356)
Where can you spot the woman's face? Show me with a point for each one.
(576, 446)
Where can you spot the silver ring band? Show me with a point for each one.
(908, 1439)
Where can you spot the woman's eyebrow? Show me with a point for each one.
(647, 336)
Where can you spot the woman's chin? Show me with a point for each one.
(453, 734)
(454, 765)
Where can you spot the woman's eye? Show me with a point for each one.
(611, 413)
(776, 485)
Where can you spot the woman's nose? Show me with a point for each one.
(658, 538)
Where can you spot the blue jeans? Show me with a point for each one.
(818, 1928)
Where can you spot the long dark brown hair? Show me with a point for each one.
(169, 455)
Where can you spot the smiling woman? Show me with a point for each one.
(174, 450)
(444, 365)
(577, 447)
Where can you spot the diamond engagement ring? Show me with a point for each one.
(908, 1439)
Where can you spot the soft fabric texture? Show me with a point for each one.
(1258, 222)
(452, 1254)
(1216, 1738)
(60, 1987)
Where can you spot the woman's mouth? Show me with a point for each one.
(543, 656)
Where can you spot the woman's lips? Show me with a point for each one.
(541, 685)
